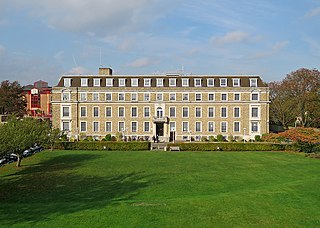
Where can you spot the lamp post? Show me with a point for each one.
(190, 135)
(244, 135)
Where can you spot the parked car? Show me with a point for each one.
(27, 153)
(3, 161)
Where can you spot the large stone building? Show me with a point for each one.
(172, 106)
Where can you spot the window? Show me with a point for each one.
(211, 126)
(134, 97)
(84, 82)
(146, 112)
(237, 96)
(83, 96)
(198, 112)
(108, 127)
(185, 82)
(83, 126)
(146, 127)
(172, 126)
(211, 96)
(146, 97)
(185, 126)
(172, 96)
(236, 82)
(185, 96)
(134, 126)
(159, 97)
(108, 97)
(197, 82)
(236, 126)
(95, 96)
(134, 82)
(223, 82)
(108, 112)
(83, 111)
(159, 112)
(121, 112)
(236, 112)
(198, 97)
(160, 82)
(65, 126)
(147, 82)
(95, 111)
(109, 82)
(121, 126)
(134, 112)
(223, 126)
(254, 96)
(253, 82)
(254, 112)
(224, 112)
(121, 96)
(95, 126)
(122, 82)
(211, 112)
(198, 126)
(224, 97)
(67, 82)
(96, 82)
(210, 82)
(172, 81)
(185, 112)
(254, 127)
(172, 111)
(65, 111)
(66, 96)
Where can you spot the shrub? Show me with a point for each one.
(108, 137)
(257, 138)
(220, 138)
(230, 138)
(204, 139)
(211, 138)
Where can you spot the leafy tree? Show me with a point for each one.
(297, 96)
(12, 100)
(53, 136)
(18, 135)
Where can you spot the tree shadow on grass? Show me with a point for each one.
(49, 189)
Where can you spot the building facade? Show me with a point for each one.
(173, 107)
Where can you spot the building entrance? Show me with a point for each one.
(159, 129)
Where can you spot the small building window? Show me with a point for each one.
(109, 82)
(198, 96)
(211, 112)
(223, 82)
(198, 126)
(236, 126)
(211, 126)
(185, 82)
(146, 112)
(134, 126)
(185, 112)
(254, 96)
(236, 82)
(83, 111)
(83, 96)
(237, 96)
(224, 113)
(134, 82)
(159, 97)
(108, 112)
(185, 96)
(253, 82)
(134, 112)
(146, 97)
(160, 82)
(198, 112)
(108, 126)
(211, 96)
(147, 82)
(121, 97)
(96, 82)
(172, 96)
(223, 126)
(121, 112)
(83, 126)
(224, 97)
(197, 82)
(236, 112)
(134, 96)
(172, 82)
(172, 111)
(108, 97)
(210, 82)
(95, 96)
(95, 111)
(122, 82)
(146, 126)
(95, 126)
(67, 82)
(84, 82)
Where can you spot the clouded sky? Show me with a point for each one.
(43, 39)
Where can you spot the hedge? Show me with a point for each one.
(226, 146)
(102, 145)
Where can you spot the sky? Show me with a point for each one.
(44, 39)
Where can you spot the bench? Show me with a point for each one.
(174, 148)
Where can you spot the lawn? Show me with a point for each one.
(161, 189)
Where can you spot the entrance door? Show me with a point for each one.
(159, 129)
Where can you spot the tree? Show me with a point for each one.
(296, 97)
(53, 136)
(12, 101)
(18, 135)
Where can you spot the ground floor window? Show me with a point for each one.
(83, 126)
(223, 126)
(108, 127)
(254, 126)
(146, 126)
(134, 126)
(95, 126)
(66, 126)
(236, 126)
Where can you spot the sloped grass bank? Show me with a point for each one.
(157, 189)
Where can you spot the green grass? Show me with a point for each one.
(161, 189)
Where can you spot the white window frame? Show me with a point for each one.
(159, 95)
(95, 97)
(146, 95)
(144, 112)
(236, 82)
(121, 129)
(185, 108)
(96, 82)
(93, 111)
(213, 113)
(109, 82)
(198, 98)
(172, 82)
(93, 126)
(185, 82)
(195, 112)
(147, 82)
(221, 110)
(213, 95)
(159, 82)
(122, 82)
(211, 125)
(85, 108)
(195, 126)
(134, 116)
(109, 107)
(83, 96)
(234, 126)
(106, 126)
(124, 112)
(84, 82)
(210, 82)
(121, 94)
(86, 126)
(196, 82)
(234, 112)
(110, 96)
(136, 125)
(62, 126)
(253, 82)
(175, 112)
(144, 126)
(187, 96)
(67, 82)
(172, 126)
(65, 96)
(234, 96)
(172, 95)
(134, 95)
(185, 128)
(252, 125)
(223, 82)
(62, 112)
(226, 96)
(134, 82)
(226, 127)
(258, 97)
(258, 112)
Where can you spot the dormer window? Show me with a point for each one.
(160, 82)
(172, 81)
(134, 82)
(67, 82)
(197, 82)
(253, 82)
(147, 82)
(84, 82)
(210, 82)
(66, 96)
(109, 82)
(96, 82)
(236, 82)
(122, 82)
(223, 82)
(185, 82)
